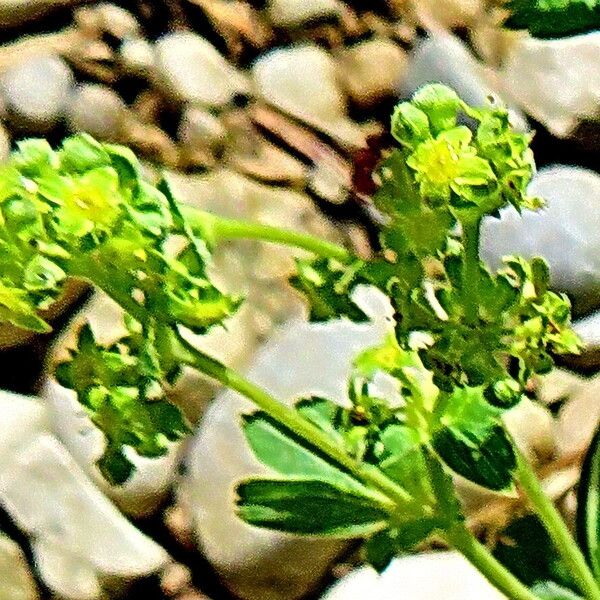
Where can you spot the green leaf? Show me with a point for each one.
(81, 153)
(309, 507)
(381, 548)
(554, 18)
(525, 548)
(115, 467)
(120, 389)
(588, 506)
(327, 284)
(325, 414)
(399, 453)
(471, 440)
(289, 455)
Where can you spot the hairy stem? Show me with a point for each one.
(557, 529)
(215, 228)
(470, 283)
(478, 555)
(296, 423)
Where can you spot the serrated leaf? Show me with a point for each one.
(525, 548)
(327, 284)
(289, 455)
(323, 413)
(471, 440)
(119, 387)
(554, 18)
(309, 507)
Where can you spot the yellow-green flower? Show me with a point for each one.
(449, 163)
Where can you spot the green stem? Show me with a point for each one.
(479, 556)
(557, 529)
(214, 228)
(295, 422)
(470, 283)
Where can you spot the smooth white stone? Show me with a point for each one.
(301, 360)
(137, 56)
(443, 575)
(97, 110)
(588, 329)
(443, 58)
(291, 13)
(191, 69)
(303, 81)
(566, 232)
(80, 541)
(555, 81)
(16, 581)
(37, 91)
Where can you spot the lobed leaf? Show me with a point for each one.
(549, 19)
(588, 506)
(471, 440)
(327, 284)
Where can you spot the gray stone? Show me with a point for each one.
(445, 575)
(200, 128)
(37, 91)
(303, 82)
(566, 232)
(372, 69)
(97, 110)
(443, 58)
(555, 81)
(191, 69)
(260, 564)
(16, 581)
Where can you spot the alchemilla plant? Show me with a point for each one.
(464, 343)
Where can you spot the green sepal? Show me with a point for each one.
(80, 153)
